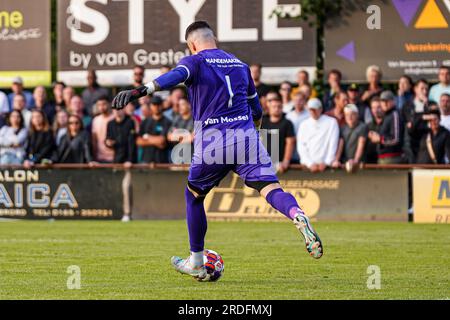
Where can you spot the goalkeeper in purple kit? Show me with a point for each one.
(224, 100)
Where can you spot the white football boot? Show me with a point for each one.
(312, 240)
(184, 266)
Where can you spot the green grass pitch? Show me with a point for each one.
(263, 260)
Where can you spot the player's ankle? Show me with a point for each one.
(196, 259)
(296, 211)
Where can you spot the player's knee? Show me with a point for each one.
(194, 192)
(263, 187)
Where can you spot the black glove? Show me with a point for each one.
(127, 96)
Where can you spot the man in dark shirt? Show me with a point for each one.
(153, 134)
(276, 124)
(434, 146)
(120, 137)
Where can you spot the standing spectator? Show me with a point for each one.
(443, 86)
(2, 120)
(416, 125)
(120, 137)
(297, 116)
(261, 88)
(153, 135)
(93, 91)
(318, 142)
(276, 124)
(285, 93)
(444, 106)
(390, 136)
(405, 93)
(19, 104)
(76, 107)
(435, 144)
(374, 126)
(171, 110)
(4, 103)
(60, 125)
(40, 140)
(352, 143)
(340, 101)
(373, 76)
(41, 103)
(58, 96)
(75, 146)
(182, 129)
(101, 152)
(17, 88)
(303, 79)
(13, 137)
(144, 111)
(354, 97)
(138, 80)
(334, 87)
(68, 94)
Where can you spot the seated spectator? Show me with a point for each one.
(153, 135)
(60, 125)
(19, 104)
(41, 103)
(390, 136)
(444, 106)
(443, 86)
(68, 94)
(276, 124)
(334, 86)
(285, 93)
(354, 97)
(120, 137)
(412, 114)
(171, 105)
(435, 145)
(76, 107)
(40, 140)
(340, 101)
(75, 146)
(352, 143)
(13, 138)
(4, 103)
(318, 142)
(303, 79)
(101, 152)
(373, 76)
(17, 88)
(58, 97)
(405, 93)
(93, 91)
(374, 126)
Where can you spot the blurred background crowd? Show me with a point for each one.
(330, 125)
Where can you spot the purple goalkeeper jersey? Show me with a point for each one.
(220, 86)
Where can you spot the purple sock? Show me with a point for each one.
(196, 221)
(283, 202)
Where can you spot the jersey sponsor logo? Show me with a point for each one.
(211, 121)
(223, 61)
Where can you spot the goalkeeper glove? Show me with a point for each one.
(127, 96)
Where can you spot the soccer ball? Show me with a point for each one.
(214, 265)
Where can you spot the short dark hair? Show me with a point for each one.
(335, 72)
(8, 118)
(196, 26)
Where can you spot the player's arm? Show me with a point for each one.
(167, 81)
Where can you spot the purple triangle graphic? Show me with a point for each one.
(407, 9)
(348, 52)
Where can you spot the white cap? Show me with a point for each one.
(351, 108)
(18, 80)
(314, 103)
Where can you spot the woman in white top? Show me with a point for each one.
(13, 138)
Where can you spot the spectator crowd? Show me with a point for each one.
(344, 125)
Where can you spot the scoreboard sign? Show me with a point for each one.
(112, 36)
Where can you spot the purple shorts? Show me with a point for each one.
(252, 164)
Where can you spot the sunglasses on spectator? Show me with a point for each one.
(138, 74)
(74, 122)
